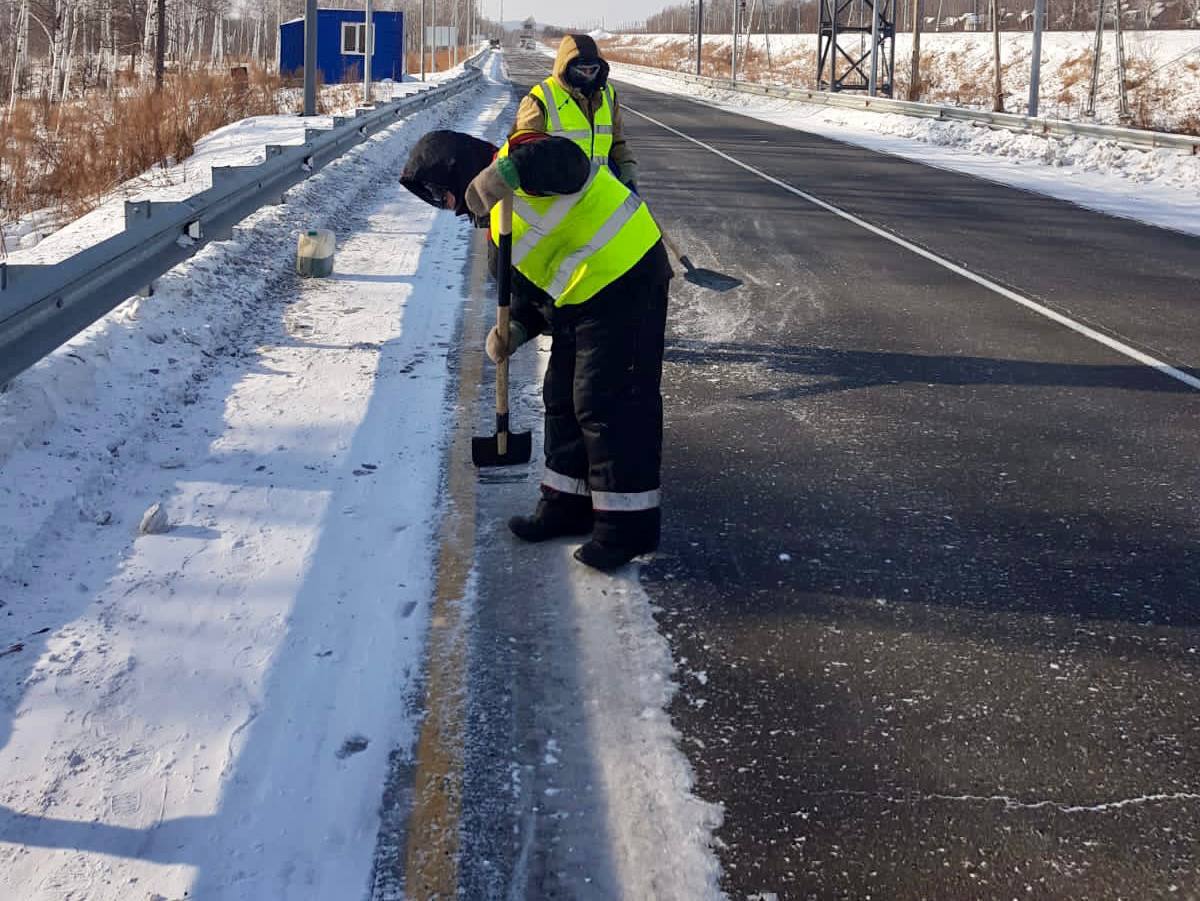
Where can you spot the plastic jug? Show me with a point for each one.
(314, 253)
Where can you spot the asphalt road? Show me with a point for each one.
(930, 567)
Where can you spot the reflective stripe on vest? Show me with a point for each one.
(616, 221)
(541, 224)
(565, 119)
(574, 245)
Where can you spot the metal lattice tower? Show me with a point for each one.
(848, 30)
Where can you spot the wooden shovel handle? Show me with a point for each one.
(504, 281)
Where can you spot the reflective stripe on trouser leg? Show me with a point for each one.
(625, 501)
(618, 368)
(565, 484)
(566, 453)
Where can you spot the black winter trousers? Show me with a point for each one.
(604, 411)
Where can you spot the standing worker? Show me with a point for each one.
(589, 265)
(577, 102)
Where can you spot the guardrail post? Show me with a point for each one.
(136, 211)
(3, 276)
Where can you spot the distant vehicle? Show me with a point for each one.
(495, 42)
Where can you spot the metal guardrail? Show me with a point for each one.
(42, 306)
(1129, 137)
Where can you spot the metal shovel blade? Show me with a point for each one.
(708, 278)
(517, 449)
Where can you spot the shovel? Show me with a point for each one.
(705, 278)
(505, 448)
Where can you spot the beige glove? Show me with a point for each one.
(492, 185)
(516, 337)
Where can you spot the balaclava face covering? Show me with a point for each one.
(587, 53)
(586, 85)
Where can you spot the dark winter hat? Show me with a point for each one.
(446, 161)
(585, 48)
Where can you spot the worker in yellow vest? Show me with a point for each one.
(588, 267)
(577, 102)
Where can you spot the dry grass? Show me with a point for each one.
(68, 156)
(445, 59)
(1153, 88)
(789, 68)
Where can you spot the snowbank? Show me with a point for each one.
(1159, 187)
(1163, 69)
(211, 711)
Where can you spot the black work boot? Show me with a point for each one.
(557, 514)
(619, 537)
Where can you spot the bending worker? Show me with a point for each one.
(577, 102)
(590, 267)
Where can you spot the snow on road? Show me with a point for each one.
(577, 786)
(1159, 187)
(210, 711)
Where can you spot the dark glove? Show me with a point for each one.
(627, 173)
(516, 337)
(493, 184)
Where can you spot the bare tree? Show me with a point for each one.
(21, 56)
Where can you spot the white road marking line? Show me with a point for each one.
(1112, 343)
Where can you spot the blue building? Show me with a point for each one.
(341, 44)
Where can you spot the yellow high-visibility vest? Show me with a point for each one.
(574, 245)
(565, 119)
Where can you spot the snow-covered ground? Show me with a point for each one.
(1160, 187)
(1163, 68)
(210, 711)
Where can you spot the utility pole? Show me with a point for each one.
(160, 46)
(433, 16)
(1099, 47)
(998, 88)
(914, 85)
(733, 60)
(310, 57)
(368, 34)
(422, 41)
(1035, 65)
(872, 80)
(699, 34)
(1123, 109)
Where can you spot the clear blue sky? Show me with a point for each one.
(555, 12)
